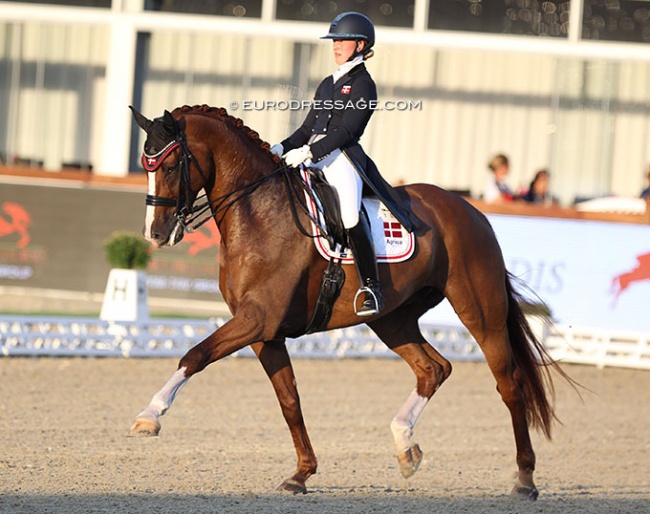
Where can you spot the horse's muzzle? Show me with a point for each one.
(159, 238)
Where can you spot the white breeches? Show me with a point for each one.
(343, 177)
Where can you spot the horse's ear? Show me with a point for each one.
(144, 123)
(168, 122)
(181, 124)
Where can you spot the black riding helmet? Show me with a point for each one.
(353, 25)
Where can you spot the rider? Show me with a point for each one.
(329, 140)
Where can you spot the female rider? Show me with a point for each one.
(329, 140)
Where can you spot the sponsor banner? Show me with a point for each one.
(52, 237)
(590, 273)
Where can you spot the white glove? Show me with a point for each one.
(297, 156)
(277, 149)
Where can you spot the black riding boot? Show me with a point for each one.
(364, 257)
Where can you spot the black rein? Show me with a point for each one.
(188, 215)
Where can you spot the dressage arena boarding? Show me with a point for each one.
(83, 337)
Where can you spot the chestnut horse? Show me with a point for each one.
(270, 276)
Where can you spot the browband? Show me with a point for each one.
(152, 162)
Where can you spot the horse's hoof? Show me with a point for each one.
(293, 486)
(523, 492)
(144, 427)
(409, 460)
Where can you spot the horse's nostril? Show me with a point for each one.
(158, 238)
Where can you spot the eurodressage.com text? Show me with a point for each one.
(326, 105)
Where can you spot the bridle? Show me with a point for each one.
(189, 214)
(192, 216)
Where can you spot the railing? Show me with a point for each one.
(581, 345)
(524, 209)
(89, 337)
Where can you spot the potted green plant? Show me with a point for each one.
(125, 298)
(127, 250)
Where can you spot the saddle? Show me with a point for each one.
(392, 240)
(325, 207)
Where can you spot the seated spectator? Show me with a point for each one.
(645, 194)
(538, 191)
(496, 190)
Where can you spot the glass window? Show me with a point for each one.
(77, 3)
(238, 8)
(548, 18)
(391, 13)
(614, 20)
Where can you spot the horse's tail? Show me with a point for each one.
(533, 364)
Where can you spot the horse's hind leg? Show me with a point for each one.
(510, 387)
(487, 321)
(399, 330)
(276, 362)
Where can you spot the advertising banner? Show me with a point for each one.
(53, 237)
(590, 273)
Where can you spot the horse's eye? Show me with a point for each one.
(171, 169)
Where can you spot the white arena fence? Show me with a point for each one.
(90, 337)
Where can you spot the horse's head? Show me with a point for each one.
(170, 161)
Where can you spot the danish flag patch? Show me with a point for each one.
(392, 229)
(346, 90)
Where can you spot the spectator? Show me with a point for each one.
(496, 190)
(645, 194)
(538, 192)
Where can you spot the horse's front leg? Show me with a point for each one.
(276, 362)
(240, 331)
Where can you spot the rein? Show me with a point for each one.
(191, 217)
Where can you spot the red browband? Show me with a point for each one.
(152, 162)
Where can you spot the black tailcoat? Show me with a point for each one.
(340, 113)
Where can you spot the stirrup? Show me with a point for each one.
(368, 311)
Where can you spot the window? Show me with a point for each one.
(237, 8)
(391, 13)
(76, 3)
(614, 20)
(519, 17)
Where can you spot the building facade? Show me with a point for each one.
(562, 85)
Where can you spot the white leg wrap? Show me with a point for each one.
(405, 419)
(164, 398)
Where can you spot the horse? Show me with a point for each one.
(270, 276)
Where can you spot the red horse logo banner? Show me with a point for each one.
(207, 237)
(637, 274)
(14, 219)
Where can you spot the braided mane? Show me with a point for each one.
(221, 113)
